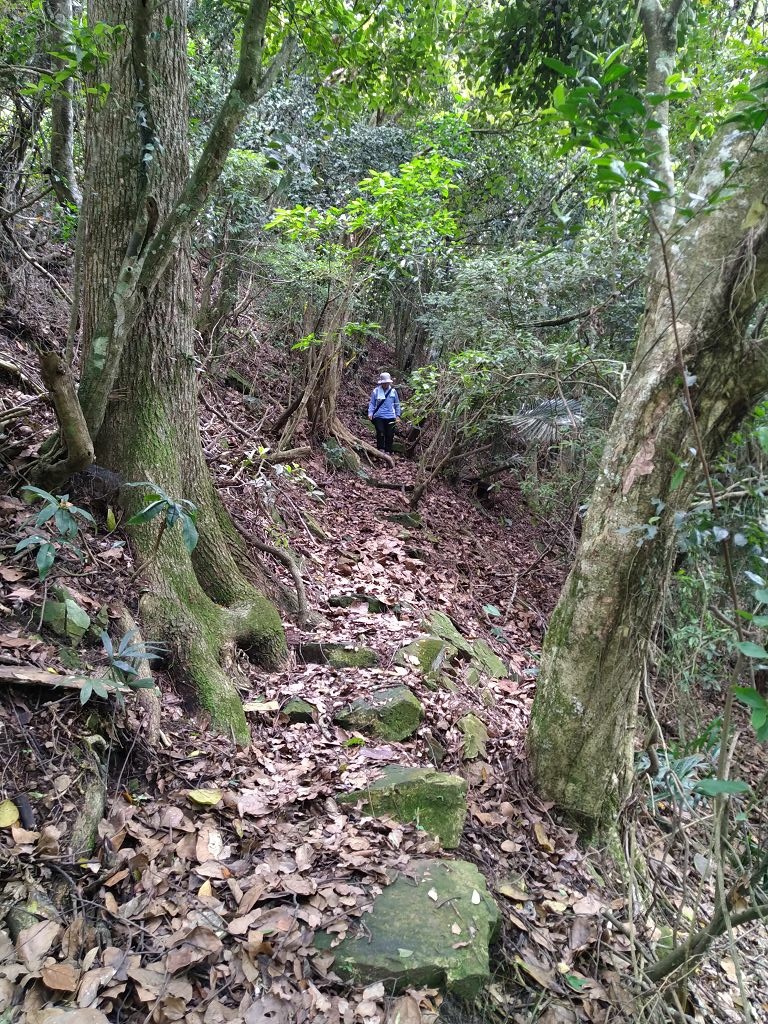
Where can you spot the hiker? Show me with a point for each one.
(384, 412)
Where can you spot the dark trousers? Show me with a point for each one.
(385, 434)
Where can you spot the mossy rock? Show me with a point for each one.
(339, 457)
(238, 382)
(298, 710)
(490, 662)
(337, 655)
(347, 600)
(392, 714)
(410, 519)
(435, 801)
(65, 616)
(429, 930)
(429, 654)
(440, 625)
(475, 737)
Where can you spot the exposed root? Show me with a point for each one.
(287, 557)
(345, 437)
(148, 700)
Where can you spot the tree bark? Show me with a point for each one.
(705, 282)
(62, 159)
(139, 389)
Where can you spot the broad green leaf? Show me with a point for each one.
(751, 650)
(148, 513)
(748, 695)
(189, 533)
(720, 787)
(677, 478)
(559, 67)
(46, 556)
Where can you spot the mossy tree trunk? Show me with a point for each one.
(706, 276)
(200, 606)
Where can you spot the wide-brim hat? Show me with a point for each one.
(384, 378)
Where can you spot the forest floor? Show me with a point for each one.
(214, 866)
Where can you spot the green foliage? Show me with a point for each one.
(171, 511)
(122, 663)
(62, 521)
(395, 217)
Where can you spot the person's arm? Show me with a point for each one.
(397, 405)
(372, 404)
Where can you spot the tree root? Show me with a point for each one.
(345, 437)
(287, 557)
(148, 700)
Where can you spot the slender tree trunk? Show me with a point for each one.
(705, 283)
(63, 177)
(199, 606)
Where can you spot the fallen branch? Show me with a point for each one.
(27, 675)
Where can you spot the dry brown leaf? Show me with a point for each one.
(91, 982)
(61, 977)
(252, 801)
(587, 906)
(55, 1015)
(404, 1010)
(48, 843)
(210, 845)
(542, 838)
(557, 1013)
(542, 976)
(512, 891)
(34, 942)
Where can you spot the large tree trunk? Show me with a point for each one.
(199, 606)
(585, 711)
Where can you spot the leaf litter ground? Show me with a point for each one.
(214, 867)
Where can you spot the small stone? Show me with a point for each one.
(475, 737)
(435, 801)
(337, 655)
(440, 625)
(488, 661)
(436, 749)
(66, 618)
(409, 939)
(347, 600)
(428, 654)
(410, 519)
(391, 714)
(299, 710)
(339, 457)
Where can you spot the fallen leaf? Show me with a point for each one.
(209, 846)
(9, 814)
(587, 905)
(512, 891)
(61, 977)
(91, 982)
(261, 705)
(545, 978)
(34, 942)
(542, 838)
(404, 1010)
(205, 797)
(252, 801)
(64, 1016)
